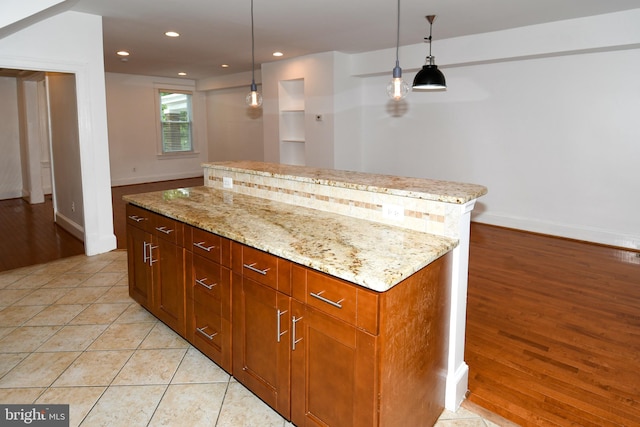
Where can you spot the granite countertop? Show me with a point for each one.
(369, 254)
(419, 188)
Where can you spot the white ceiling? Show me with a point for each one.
(215, 32)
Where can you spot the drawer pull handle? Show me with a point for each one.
(209, 337)
(136, 218)
(280, 313)
(202, 283)
(328, 301)
(203, 247)
(252, 268)
(164, 230)
(294, 341)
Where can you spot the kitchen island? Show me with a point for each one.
(360, 273)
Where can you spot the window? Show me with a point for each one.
(175, 122)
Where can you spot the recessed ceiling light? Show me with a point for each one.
(225, 65)
(182, 73)
(172, 34)
(278, 53)
(122, 53)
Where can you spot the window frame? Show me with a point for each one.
(161, 153)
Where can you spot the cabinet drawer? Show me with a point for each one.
(338, 298)
(210, 246)
(209, 278)
(167, 228)
(207, 323)
(262, 267)
(139, 217)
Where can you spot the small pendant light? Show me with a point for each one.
(429, 77)
(397, 88)
(254, 99)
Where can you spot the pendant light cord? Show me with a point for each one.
(430, 38)
(430, 19)
(397, 35)
(253, 60)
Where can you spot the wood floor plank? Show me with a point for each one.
(28, 235)
(553, 329)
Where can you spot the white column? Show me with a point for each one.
(457, 370)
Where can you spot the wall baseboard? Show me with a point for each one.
(569, 231)
(118, 182)
(71, 226)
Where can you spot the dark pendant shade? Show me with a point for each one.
(429, 78)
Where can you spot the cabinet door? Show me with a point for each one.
(138, 246)
(261, 339)
(333, 379)
(168, 284)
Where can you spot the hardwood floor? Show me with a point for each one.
(29, 236)
(553, 330)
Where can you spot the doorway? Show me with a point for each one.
(40, 129)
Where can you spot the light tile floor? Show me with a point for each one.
(69, 333)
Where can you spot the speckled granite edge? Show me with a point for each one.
(419, 188)
(369, 254)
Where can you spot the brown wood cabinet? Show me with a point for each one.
(208, 284)
(261, 325)
(156, 265)
(140, 272)
(333, 360)
(319, 350)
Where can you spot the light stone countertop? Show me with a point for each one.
(369, 254)
(419, 188)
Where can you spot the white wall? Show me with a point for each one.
(17, 10)
(544, 116)
(133, 130)
(348, 148)
(558, 157)
(554, 137)
(317, 72)
(71, 42)
(234, 131)
(10, 170)
(65, 152)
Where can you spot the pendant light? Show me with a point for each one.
(397, 88)
(254, 99)
(429, 77)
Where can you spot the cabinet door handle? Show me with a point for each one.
(150, 258)
(328, 301)
(164, 230)
(252, 268)
(203, 247)
(144, 252)
(294, 341)
(202, 283)
(136, 218)
(280, 313)
(209, 337)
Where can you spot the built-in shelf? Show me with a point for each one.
(292, 121)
